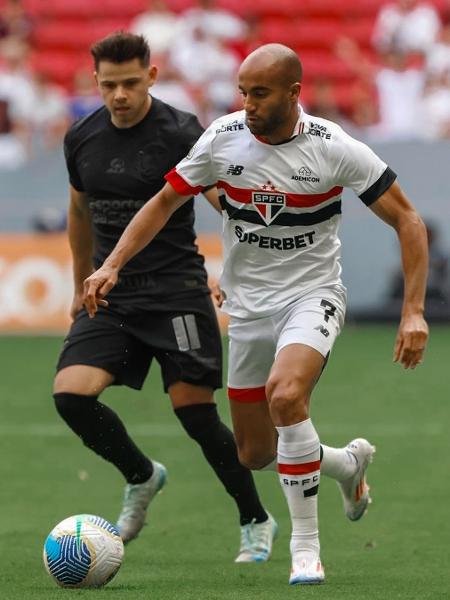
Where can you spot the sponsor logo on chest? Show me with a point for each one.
(305, 174)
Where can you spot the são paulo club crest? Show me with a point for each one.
(268, 202)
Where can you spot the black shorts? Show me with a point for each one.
(185, 342)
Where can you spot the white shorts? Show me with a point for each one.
(316, 319)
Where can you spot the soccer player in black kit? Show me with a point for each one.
(117, 158)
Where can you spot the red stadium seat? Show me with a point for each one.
(78, 9)
(322, 64)
(74, 34)
(60, 66)
(311, 33)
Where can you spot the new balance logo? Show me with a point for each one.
(235, 169)
(323, 330)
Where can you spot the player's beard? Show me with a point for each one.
(266, 126)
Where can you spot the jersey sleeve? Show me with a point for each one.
(195, 172)
(356, 166)
(74, 177)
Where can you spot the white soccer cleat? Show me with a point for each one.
(306, 570)
(257, 540)
(137, 497)
(355, 491)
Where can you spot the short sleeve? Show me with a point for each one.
(356, 166)
(195, 172)
(74, 177)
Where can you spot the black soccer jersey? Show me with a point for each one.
(119, 170)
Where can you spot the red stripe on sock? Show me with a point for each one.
(257, 394)
(301, 469)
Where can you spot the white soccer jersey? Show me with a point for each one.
(281, 206)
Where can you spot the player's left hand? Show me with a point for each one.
(411, 341)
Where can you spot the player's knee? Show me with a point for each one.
(286, 395)
(71, 406)
(81, 380)
(198, 419)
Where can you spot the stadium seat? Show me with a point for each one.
(322, 64)
(59, 66)
(57, 9)
(313, 33)
(74, 34)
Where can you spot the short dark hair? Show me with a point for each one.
(120, 47)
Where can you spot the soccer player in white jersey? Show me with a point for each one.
(280, 173)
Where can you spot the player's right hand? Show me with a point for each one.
(96, 286)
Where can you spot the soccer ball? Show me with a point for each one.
(83, 551)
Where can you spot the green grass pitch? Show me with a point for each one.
(400, 549)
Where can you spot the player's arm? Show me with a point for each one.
(79, 230)
(140, 231)
(394, 208)
(212, 196)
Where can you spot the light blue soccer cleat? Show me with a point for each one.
(257, 540)
(137, 497)
(306, 570)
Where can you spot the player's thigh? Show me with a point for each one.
(82, 379)
(106, 349)
(306, 334)
(252, 345)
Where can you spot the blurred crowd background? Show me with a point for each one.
(380, 68)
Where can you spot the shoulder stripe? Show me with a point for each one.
(283, 218)
(180, 185)
(292, 200)
(378, 188)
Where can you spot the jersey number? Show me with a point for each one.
(330, 309)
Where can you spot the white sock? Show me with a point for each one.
(299, 472)
(338, 463)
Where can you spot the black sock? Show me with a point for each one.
(203, 424)
(101, 430)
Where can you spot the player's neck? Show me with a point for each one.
(286, 131)
(138, 118)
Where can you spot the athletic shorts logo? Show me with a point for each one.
(268, 204)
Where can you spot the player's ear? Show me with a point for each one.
(295, 90)
(152, 75)
(95, 77)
